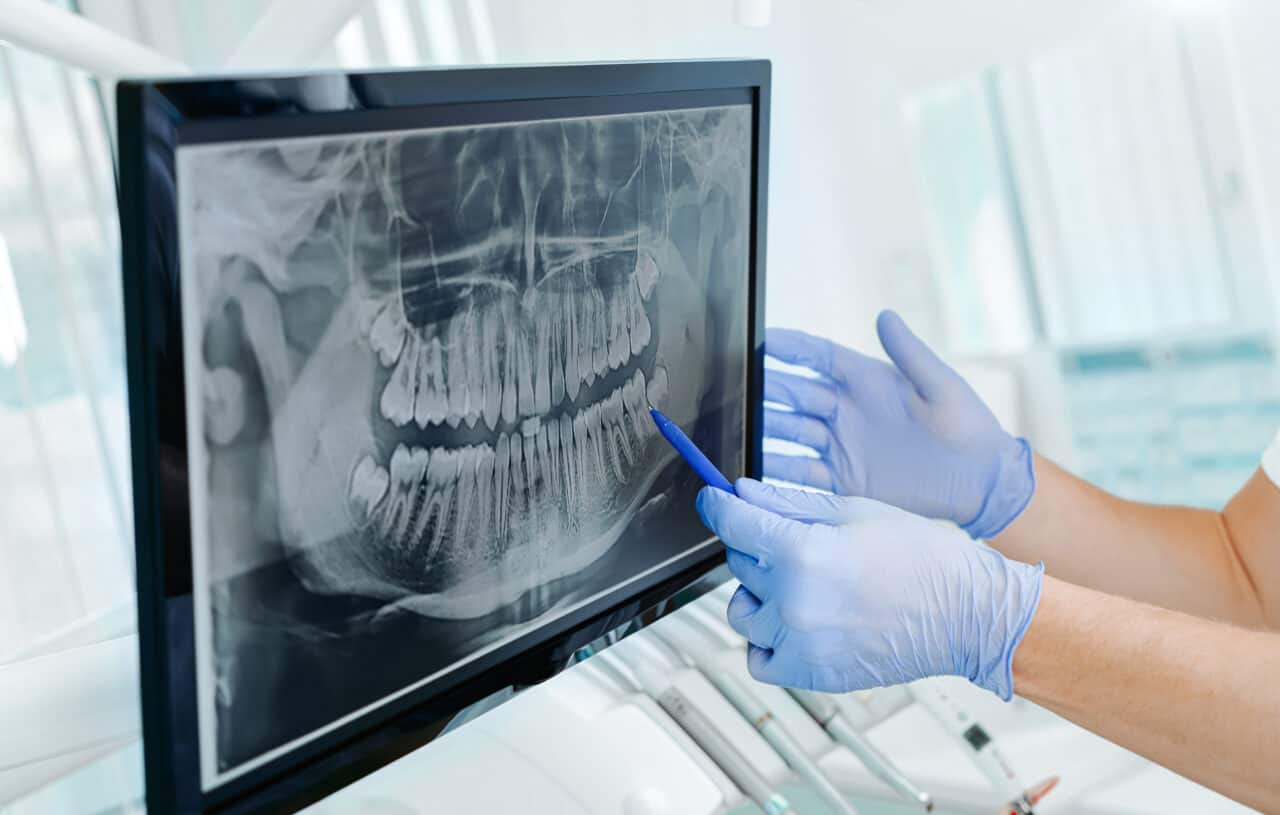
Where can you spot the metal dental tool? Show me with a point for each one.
(709, 739)
(828, 714)
(690, 647)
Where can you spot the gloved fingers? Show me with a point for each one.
(748, 572)
(797, 427)
(758, 622)
(819, 355)
(746, 528)
(801, 394)
(812, 472)
(917, 361)
(801, 505)
(764, 665)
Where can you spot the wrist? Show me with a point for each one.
(1009, 490)
(1010, 603)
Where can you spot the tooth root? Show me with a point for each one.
(433, 519)
(646, 275)
(524, 377)
(544, 464)
(640, 331)
(407, 469)
(492, 370)
(475, 368)
(501, 486)
(398, 395)
(531, 472)
(569, 457)
(549, 442)
(369, 485)
(428, 397)
(387, 334)
(484, 497)
(656, 390)
(542, 368)
(464, 515)
(583, 462)
(572, 379)
(510, 350)
(556, 363)
(516, 506)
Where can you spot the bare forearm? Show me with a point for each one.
(1198, 697)
(1176, 557)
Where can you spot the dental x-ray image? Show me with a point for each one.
(418, 368)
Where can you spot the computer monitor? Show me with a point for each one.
(392, 338)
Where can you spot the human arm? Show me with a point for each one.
(1221, 565)
(912, 433)
(1196, 696)
(844, 594)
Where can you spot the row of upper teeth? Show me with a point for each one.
(471, 493)
(498, 363)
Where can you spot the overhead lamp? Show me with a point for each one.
(13, 329)
(752, 13)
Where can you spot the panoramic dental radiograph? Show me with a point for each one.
(420, 365)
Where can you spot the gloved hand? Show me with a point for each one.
(842, 594)
(912, 434)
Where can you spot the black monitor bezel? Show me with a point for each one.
(155, 117)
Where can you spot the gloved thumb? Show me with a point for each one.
(916, 360)
(800, 505)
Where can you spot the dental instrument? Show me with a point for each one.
(755, 712)
(977, 742)
(824, 710)
(709, 739)
(690, 452)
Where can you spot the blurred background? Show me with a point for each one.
(1075, 200)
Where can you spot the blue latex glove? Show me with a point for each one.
(912, 434)
(842, 594)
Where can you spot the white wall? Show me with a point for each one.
(848, 228)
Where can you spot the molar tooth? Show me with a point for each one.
(616, 434)
(369, 485)
(387, 334)
(398, 395)
(640, 330)
(407, 468)
(596, 427)
(600, 333)
(646, 274)
(441, 481)
(492, 369)
(501, 484)
(457, 369)
(530, 426)
(542, 371)
(582, 450)
(656, 390)
(524, 376)
(633, 397)
(572, 378)
(432, 403)
(465, 514)
(619, 342)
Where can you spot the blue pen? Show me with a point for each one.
(690, 453)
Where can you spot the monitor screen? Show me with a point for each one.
(409, 349)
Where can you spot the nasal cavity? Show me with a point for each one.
(442, 274)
